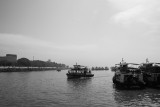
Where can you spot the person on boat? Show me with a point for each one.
(85, 71)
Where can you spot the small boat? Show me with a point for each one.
(79, 71)
(128, 75)
(151, 73)
(58, 70)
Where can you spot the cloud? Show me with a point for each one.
(126, 4)
(130, 15)
(136, 11)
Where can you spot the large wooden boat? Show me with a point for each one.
(128, 75)
(79, 71)
(151, 73)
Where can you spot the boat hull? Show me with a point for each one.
(129, 81)
(79, 75)
(152, 79)
(151, 72)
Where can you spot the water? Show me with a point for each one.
(53, 89)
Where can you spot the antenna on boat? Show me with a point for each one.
(122, 60)
(147, 60)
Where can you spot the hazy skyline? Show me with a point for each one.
(89, 32)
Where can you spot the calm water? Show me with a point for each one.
(53, 89)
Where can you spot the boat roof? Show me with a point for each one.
(133, 64)
(79, 66)
(148, 63)
(128, 63)
(157, 63)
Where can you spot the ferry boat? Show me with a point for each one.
(79, 71)
(151, 73)
(128, 75)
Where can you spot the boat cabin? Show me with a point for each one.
(128, 67)
(79, 71)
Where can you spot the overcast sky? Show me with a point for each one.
(89, 32)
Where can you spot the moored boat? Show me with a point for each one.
(58, 70)
(128, 75)
(79, 71)
(151, 73)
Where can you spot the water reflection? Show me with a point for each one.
(80, 84)
(78, 91)
(146, 97)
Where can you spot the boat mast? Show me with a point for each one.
(147, 60)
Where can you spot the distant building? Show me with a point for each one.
(2, 58)
(12, 58)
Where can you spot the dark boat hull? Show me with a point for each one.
(152, 79)
(79, 75)
(129, 83)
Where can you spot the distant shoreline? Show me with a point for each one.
(26, 69)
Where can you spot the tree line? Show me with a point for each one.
(100, 68)
(35, 63)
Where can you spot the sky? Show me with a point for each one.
(87, 32)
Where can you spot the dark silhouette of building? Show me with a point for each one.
(9, 58)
